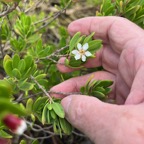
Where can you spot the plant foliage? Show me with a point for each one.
(31, 43)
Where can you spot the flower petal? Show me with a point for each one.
(75, 52)
(79, 46)
(85, 46)
(77, 56)
(22, 127)
(87, 53)
(83, 58)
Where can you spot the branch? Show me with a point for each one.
(1, 48)
(55, 16)
(43, 90)
(64, 94)
(50, 92)
(9, 10)
(38, 128)
(54, 54)
(34, 6)
(32, 138)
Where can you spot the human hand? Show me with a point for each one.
(122, 59)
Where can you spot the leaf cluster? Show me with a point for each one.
(52, 113)
(94, 46)
(130, 9)
(97, 88)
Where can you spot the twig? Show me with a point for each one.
(43, 20)
(54, 54)
(63, 93)
(33, 7)
(50, 92)
(54, 17)
(20, 97)
(39, 128)
(66, 55)
(78, 134)
(57, 51)
(44, 91)
(10, 9)
(54, 61)
(33, 95)
(1, 48)
(32, 138)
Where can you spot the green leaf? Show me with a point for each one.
(33, 38)
(44, 115)
(35, 142)
(29, 105)
(48, 117)
(100, 89)
(105, 83)
(53, 114)
(74, 41)
(132, 10)
(82, 90)
(72, 63)
(6, 58)
(40, 76)
(16, 73)
(23, 142)
(37, 104)
(28, 61)
(25, 86)
(99, 95)
(94, 46)
(49, 106)
(22, 66)
(5, 89)
(5, 32)
(66, 126)
(58, 109)
(3, 134)
(9, 107)
(15, 60)
(89, 38)
(57, 128)
(18, 44)
(8, 67)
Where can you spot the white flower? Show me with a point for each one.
(82, 52)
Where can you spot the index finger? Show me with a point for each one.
(117, 34)
(116, 31)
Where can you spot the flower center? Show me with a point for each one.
(82, 52)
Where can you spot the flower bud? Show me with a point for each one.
(15, 124)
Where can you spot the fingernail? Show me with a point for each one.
(66, 103)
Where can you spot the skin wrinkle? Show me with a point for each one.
(99, 28)
(126, 59)
(124, 85)
(138, 59)
(111, 64)
(109, 33)
(125, 41)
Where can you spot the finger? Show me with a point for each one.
(122, 90)
(94, 118)
(116, 31)
(105, 57)
(136, 95)
(74, 84)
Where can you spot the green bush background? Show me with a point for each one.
(33, 36)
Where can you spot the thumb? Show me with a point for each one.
(91, 116)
